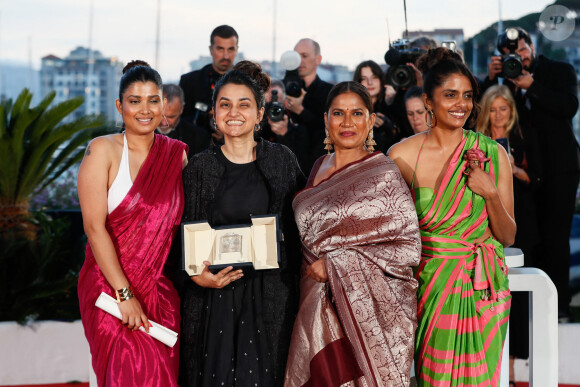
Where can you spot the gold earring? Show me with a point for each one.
(328, 142)
(370, 142)
(430, 118)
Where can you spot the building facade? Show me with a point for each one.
(83, 73)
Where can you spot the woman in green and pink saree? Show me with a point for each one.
(462, 187)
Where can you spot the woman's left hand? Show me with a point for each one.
(317, 271)
(480, 182)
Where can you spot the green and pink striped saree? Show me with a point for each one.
(463, 299)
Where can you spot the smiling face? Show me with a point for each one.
(416, 114)
(223, 52)
(372, 82)
(452, 102)
(236, 112)
(348, 121)
(141, 107)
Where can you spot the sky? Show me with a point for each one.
(348, 31)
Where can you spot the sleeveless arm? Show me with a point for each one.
(92, 186)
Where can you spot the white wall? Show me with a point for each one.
(43, 352)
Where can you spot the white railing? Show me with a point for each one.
(543, 321)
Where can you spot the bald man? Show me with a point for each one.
(308, 109)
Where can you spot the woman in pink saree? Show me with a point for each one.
(131, 196)
(360, 239)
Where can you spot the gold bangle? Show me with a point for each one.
(124, 294)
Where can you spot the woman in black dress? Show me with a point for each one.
(236, 328)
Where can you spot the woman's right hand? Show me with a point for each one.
(133, 315)
(217, 281)
(317, 271)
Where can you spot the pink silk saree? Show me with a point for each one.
(358, 328)
(142, 229)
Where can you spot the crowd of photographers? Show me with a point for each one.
(539, 138)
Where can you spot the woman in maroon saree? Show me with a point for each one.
(360, 239)
(131, 198)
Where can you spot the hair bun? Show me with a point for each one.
(135, 63)
(254, 70)
(435, 56)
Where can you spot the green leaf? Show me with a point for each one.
(38, 144)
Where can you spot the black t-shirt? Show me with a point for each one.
(242, 192)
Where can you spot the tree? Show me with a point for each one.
(35, 148)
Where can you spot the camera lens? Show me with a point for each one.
(401, 77)
(293, 89)
(512, 67)
(275, 112)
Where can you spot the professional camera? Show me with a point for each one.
(399, 75)
(293, 83)
(290, 62)
(511, 65)
(275, 108)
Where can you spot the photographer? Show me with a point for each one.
(402, 74)
(198, 85)
(308, 108)
(277, 127)
(546, 98)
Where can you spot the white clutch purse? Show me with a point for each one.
(157, 331)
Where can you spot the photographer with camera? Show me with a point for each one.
(307, 108)
(277, 127)
(402, 74)
(546, 98)
(198, 85)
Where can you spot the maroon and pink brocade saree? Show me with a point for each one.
(359, 327)
(142, 229)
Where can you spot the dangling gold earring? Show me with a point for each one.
(370, 142)
(430, 118)
(328, 142)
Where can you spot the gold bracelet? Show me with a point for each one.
(124, 294)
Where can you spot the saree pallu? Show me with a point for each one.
(141, 228)
(358, 328)
(463, 299)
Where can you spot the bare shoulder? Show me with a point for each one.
(405, 153)
(104, 146)
(407, 147)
